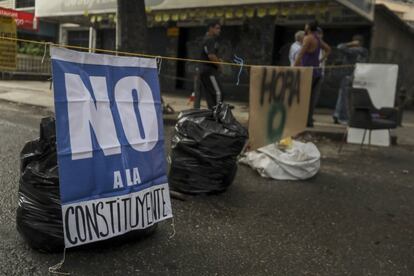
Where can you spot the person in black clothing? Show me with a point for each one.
(210, 86)
(353, 52)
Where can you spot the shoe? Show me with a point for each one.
(335, 119)
(309, 124)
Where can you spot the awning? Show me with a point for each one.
(363, 7)
(55, 8)
(186, 4)
(48, 8)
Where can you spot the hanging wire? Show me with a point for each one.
(239, 61)
(45, 51)
(173, 229)
(96, 50)
(158, 60)
(55, 269)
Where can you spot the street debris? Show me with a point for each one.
(39, 214)
(205, 147)
(298, 162)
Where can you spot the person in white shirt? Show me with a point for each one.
(296, 46)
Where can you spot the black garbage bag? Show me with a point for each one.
(205, 146)
(39, 215)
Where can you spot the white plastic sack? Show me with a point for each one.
(300, 162)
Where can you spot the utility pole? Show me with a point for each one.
(131, 29)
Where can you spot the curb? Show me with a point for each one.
(47, 109)
(171, 120)
(339, 136)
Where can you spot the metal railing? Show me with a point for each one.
(32, 65)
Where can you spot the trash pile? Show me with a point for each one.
(39, 214)
(205, 147)
(298, 161)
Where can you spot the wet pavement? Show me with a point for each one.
(356, 217)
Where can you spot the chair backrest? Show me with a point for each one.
(361, 98)
(360, 108)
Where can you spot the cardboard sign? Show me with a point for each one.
(279, 103)
(8, 48)
(112, 166)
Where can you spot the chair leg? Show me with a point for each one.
(343, 141)
(369, 139)
(389, 134)
(363, 138)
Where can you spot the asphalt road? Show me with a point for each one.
(356, 217)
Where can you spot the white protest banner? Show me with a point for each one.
(279, 103)
(112, 167)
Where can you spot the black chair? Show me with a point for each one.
(363, 114)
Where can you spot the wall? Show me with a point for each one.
(393, 42)
(164, 45)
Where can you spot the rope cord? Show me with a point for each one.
(146, 55)
(57, 267)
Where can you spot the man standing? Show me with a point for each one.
(353, 52)
(209, 72)
(309, 56)
(295, 48)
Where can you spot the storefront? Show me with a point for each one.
(82, 23)
(29, 55)
(260, 32)
(257, 31)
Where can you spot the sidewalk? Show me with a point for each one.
(38, 93)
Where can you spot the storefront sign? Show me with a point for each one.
(112, 166)
(8, 48)
(24, 20)
(279, 103)
(173, 32)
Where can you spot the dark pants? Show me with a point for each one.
(197, 92)
(211, 89)
(341, 108)
(316, 88)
